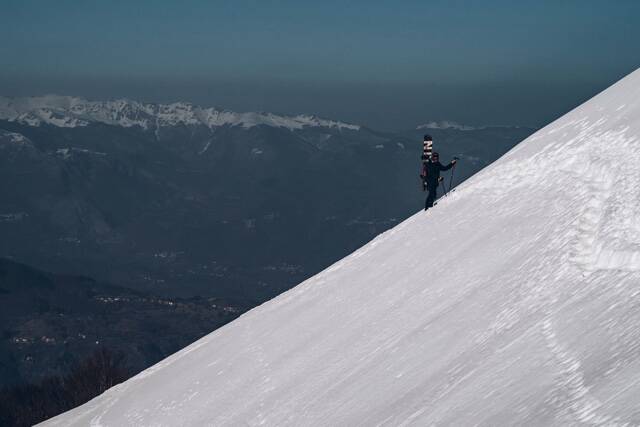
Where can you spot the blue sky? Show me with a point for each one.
(383, 62)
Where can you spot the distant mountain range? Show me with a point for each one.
(71, 112)
(447, 124)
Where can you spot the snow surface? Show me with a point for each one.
(515, 301)
(67, 111)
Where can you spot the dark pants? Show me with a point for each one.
(431, 197)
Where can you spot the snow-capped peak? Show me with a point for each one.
(13, 137)
(446, 124)
(449, 124)
(67, 111)
(14, 141)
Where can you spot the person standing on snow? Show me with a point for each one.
(431, 171)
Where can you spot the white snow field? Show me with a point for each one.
(515, 301)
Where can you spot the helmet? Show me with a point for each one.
(435, 155)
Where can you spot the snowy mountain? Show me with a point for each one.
(67, 111)
(446, 124)
(515, 301)
(449, 124)
(8, 139)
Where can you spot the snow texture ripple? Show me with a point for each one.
(515, 301)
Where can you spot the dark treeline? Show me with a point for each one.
(26, 405)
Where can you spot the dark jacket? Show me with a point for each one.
(432, 171)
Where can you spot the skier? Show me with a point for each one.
(431, 171)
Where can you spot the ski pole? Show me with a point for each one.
(452, 170)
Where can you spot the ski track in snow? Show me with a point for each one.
(514, 301)
(572, 397)
(609, 182)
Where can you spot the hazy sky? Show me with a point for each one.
(386, 64)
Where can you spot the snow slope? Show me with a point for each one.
(67, 111)
(515, 301)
